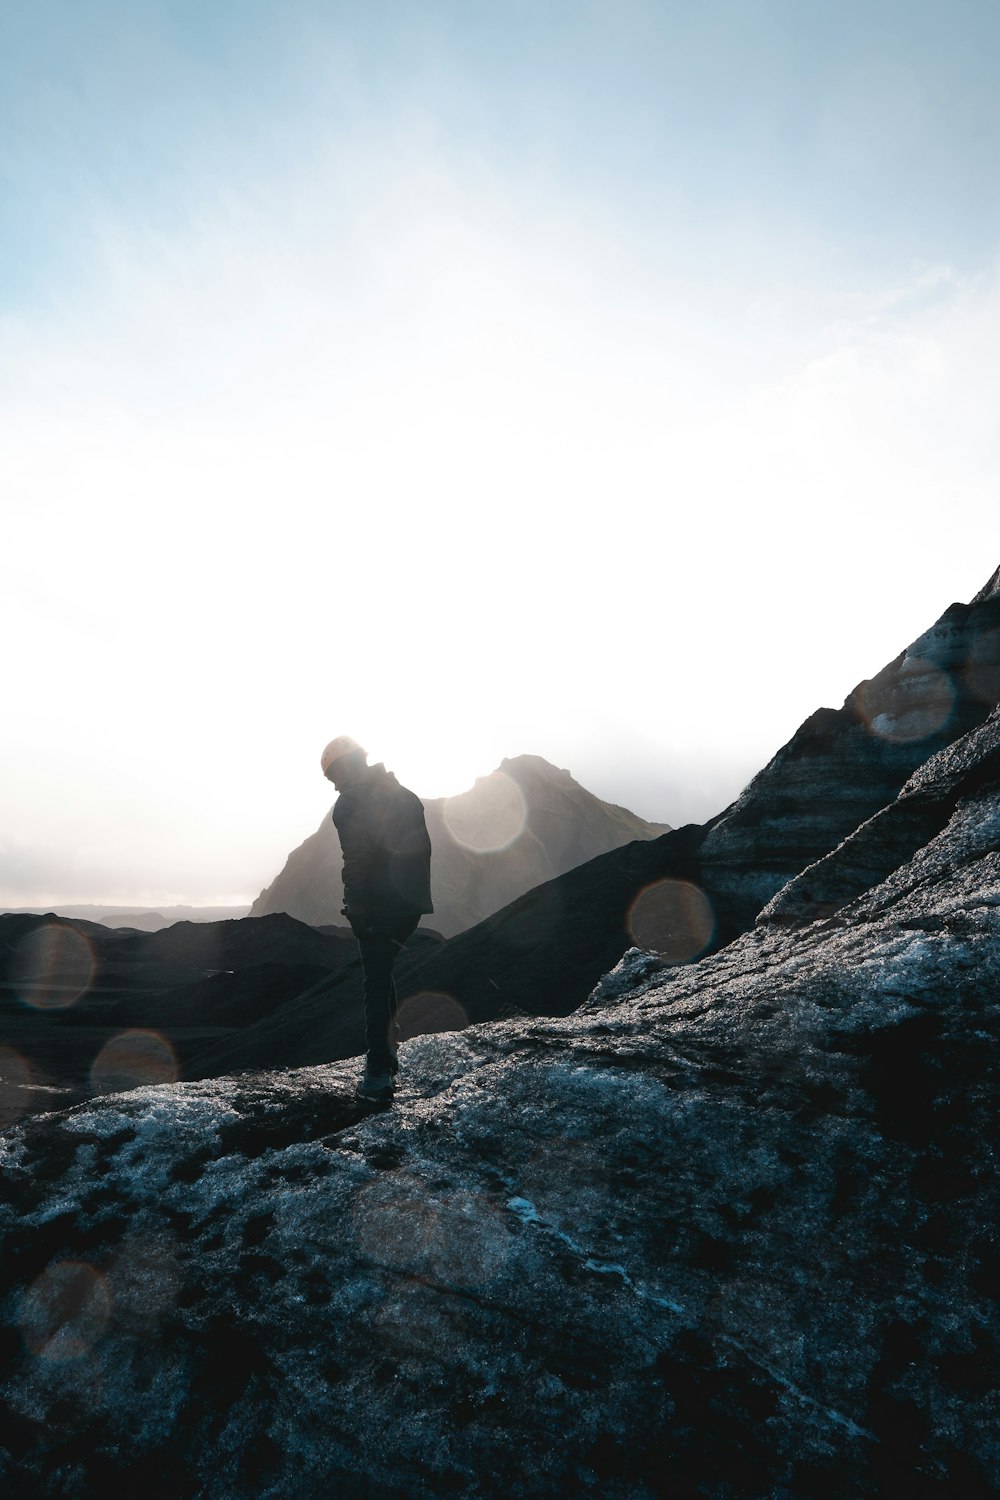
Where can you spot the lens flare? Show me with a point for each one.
(65, 1311)
(15, 1077)
(430, 1010)
(672, 918)
(132, 1060)
(458, 1237)
(555, 1175)
(469, 1241)
(52, 967)
(144, 1279)
(405, 1324)
(490, 816)
(911, 705)
(392, 1223)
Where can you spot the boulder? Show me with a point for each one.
(729, 1229)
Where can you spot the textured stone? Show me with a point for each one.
(842, 766)
(728, 1230)
(549, 948)
(897, 833)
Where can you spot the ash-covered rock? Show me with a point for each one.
(842, 766)
(966, 774)
(730, 1230)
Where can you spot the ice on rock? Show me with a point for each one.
(634, 969)
(729, 1229)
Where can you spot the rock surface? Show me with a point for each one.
(548, 949)
(516, 828)
(842, 766)
(729, 1230)
(687, 892)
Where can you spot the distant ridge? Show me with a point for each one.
(147, 918)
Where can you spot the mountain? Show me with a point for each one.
(729, 1229)
(519, 826)
(842, 765)
(839, 769)
(144, 918)
(270, 991)
(688, 892)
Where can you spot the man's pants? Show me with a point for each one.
(379, 941)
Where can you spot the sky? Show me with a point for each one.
(614, 382)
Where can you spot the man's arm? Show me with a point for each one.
(359, 850)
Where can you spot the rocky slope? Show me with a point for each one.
(841, 766)
(698, 887)
(516, 828)
(684, 894)
(728, 1230)
(687, 892)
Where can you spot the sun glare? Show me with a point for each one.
(453, 459)
(433, 770)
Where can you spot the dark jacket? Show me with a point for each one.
(387, 853)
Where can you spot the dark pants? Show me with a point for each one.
(379, 942)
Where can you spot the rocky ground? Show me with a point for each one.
(729, 1230)
(69, 990)
(271, 991)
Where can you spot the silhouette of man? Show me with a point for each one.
(387, 861)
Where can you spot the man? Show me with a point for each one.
(387, 861)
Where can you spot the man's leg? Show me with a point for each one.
(402, 928)
(377, 952)
(378, 946)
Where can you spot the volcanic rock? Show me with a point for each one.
(686, 893)
(696, 888)
(842, 766)
(728, 1230)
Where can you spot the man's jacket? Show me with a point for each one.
(387, 853)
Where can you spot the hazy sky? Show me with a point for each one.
(612, 381)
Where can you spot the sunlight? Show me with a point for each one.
(489, 817)
(459, 479)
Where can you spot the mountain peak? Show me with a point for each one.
(537, 765)
(989, 590)
(521, 825)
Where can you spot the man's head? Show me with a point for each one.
(343, 760)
